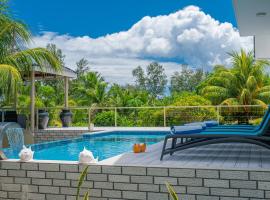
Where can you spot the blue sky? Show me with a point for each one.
(116, 36)
(100, 17)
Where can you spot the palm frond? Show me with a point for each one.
(9, 79)
(171, 191)
(259, 102)
(264, 96)
(264, 89)
(251, 83)
(221, 91)
(245, 97)
(24, 60)
(86, 196)
(13, 28)
(80, 182)
(230, 102)
(13, 36)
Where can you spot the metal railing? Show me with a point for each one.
(157, 116)
(151, 116)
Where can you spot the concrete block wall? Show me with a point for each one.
(52, 135)
(58, 181)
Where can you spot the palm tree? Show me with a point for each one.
(16, 59)
(244, 84)
(89, 89)
(127, 96)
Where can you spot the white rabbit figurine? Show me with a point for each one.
(26, 154)
(86, 156)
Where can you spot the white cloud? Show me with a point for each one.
(188, 36)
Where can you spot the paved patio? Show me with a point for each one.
(216, 156)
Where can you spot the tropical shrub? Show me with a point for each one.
(151, 117)
(104, 118)
(107, 118)
(178, 116)
(80, 117)
(190, 114)
(125, 121)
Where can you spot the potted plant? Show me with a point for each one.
(24, 112)
(66, 117)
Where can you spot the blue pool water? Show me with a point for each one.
(104, 145)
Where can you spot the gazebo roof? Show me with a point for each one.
(49, 73)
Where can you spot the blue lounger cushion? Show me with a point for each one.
(211, 123)
(186, 129)
(197, 124)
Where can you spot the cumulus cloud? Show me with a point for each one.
(187, 36)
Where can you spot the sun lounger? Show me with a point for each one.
(182, 140)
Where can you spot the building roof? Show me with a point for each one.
(252, 16)
(253, 19)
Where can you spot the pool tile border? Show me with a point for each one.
(49, 136)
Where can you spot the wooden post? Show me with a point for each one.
(164, 116)
(37, 119)
(66, 92)
(218, 113)
(32, 105)
(89, 119)
(115, 117)
(15, 98)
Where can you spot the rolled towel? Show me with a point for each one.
(196, 124)
(211, 123)
(186, 129)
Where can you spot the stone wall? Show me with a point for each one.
(59, 181)
(52, 135)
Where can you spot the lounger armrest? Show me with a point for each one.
(186, 129)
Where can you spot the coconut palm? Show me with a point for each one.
(244, 84)
(126, 96)
(16, 59)
(89, 89)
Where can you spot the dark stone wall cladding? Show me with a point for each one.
(58, 181)
(52, 135)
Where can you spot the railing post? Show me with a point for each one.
(218, 113)
(89, 119)
(164, 116)
(115, 117)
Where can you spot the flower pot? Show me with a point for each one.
(22, 120)
(43, 119)
(66, 117)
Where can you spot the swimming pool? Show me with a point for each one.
(103, 144)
